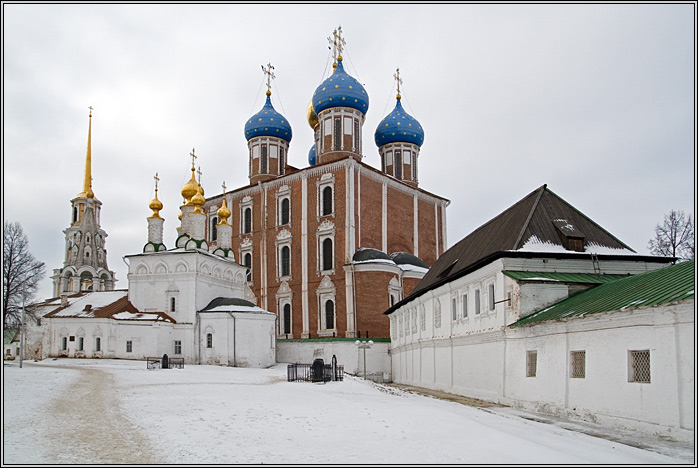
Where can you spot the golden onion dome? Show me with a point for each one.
(198, 201)
(312, 116)
(156, 206)
(191, 188)
(223, 213)
(201, 190)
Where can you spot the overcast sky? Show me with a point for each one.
(595, 100)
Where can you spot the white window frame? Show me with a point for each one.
(327, 180)
(634, 358)
(464, 305)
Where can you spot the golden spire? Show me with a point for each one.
(155, 204)
(87, 184)
(223, 211)
(399, 82)
(191, 188)
(270, 76)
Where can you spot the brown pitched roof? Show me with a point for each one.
(537, 225)
(111, 304)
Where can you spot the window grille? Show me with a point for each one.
(285, 211)
(178, 347)
(578, 364)
(285, 261)
(129, 346)
(209, 340)
(531, 363)
(263, 160)
(329, 315)
(337, 134)
(247, 224)
(98, 344)
(327, 254)
(287, 319)
(398, 165)
(81, 343)
(639, 368)
(326, 201)
(248, 264)
(173, 303)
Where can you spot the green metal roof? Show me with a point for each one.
(586, 278)
(665, 285)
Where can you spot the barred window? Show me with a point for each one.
(98, 344)
(531, 363)
(209, 340)
(639, 366)
(129, 346)
(578, 364)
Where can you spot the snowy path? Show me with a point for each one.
(81, 423)
(112, 411)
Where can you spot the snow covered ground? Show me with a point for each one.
(72, 411)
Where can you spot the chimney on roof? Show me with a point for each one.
(64, 300)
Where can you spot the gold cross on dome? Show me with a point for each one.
(199, 172)
(398, 80)
(157, 179)
(224, 186)
(337, 42)
(193, 158)
(270, 75)
(91, 108)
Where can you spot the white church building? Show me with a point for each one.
(188, 302)
(543, 310)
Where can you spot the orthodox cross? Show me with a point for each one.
(157, 179)
(193, 158)
(90, 110)
(337, 42)
(199, 172)
(224, 187)
(398, 80)
(270, 75)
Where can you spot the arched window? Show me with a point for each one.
(209, 340)
(337, 133)
(329, 315)
(287, 319)
(285, 211)
(247, 223)
(248, 263)
(173, 303)
(327, 254)
(75, 214)
(98, 344)
(285, 261)
(214, 231)
(81, 343)
(326, 201)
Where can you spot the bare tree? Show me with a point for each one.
(21, 274)
(674, 238)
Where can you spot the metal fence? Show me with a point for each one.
(309, 373)
(157, 363)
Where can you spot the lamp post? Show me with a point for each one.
(364, 345)
(21, 333)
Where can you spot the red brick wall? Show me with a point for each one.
(372, 299)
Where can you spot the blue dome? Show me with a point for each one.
(399, 127)
(340, 90)
(312, 156)
(268, 122)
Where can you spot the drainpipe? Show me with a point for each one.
(198, 336)
(235, 363)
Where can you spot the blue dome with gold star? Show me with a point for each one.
(340, 90)
(268, 122)
(312, 156)
(399, 127)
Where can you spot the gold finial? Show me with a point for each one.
(87, 183)
(223, 211)
(270, 76)
(399, 82)
(155, 204)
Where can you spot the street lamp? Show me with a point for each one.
(364, 345)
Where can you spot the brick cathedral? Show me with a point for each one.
(331, 246)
